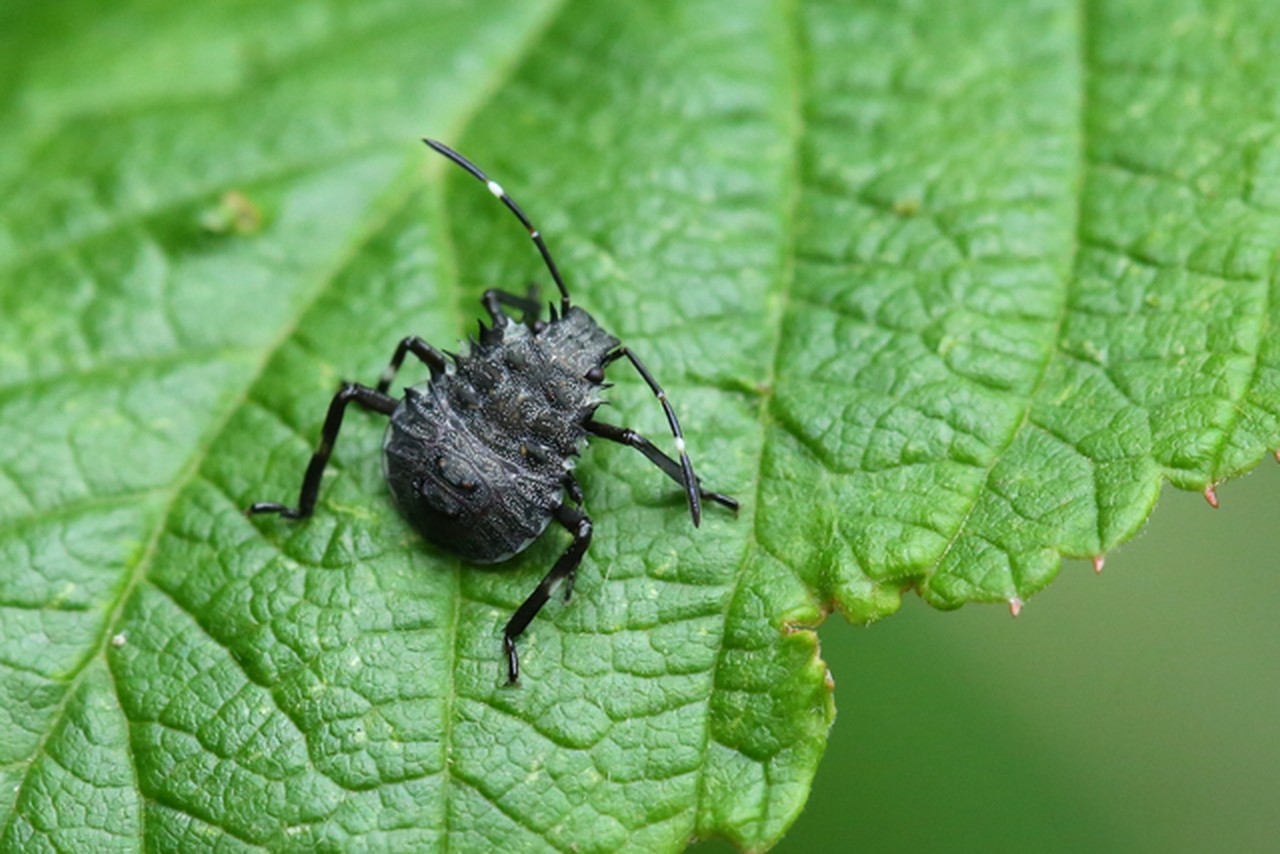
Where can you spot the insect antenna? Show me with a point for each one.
(496, 189)
(687, 477)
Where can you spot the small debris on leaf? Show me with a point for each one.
(235, 213)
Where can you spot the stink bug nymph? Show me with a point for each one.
(480, 458)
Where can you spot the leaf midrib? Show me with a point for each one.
(753, 541)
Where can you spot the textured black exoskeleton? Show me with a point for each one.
(480, 458)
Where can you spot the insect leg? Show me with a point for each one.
(573, 489)
(627, 436)
(565, 569)
(687, 477)
(429, 355)
(495, 299)
(363, 395)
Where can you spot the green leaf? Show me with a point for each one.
(942, 292)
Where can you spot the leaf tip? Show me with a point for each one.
(1211, 495)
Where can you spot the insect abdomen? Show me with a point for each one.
(461, 494)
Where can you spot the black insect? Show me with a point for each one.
(480, 458)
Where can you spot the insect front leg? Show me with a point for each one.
(494, 300)
(632, 439)
(368, 398)
(566, 568)
(429, 356)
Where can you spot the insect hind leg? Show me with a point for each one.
(565, 569)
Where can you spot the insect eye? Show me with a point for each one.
(596, 375)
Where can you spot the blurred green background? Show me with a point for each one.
(1138, 710)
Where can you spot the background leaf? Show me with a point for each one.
(943, 292)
